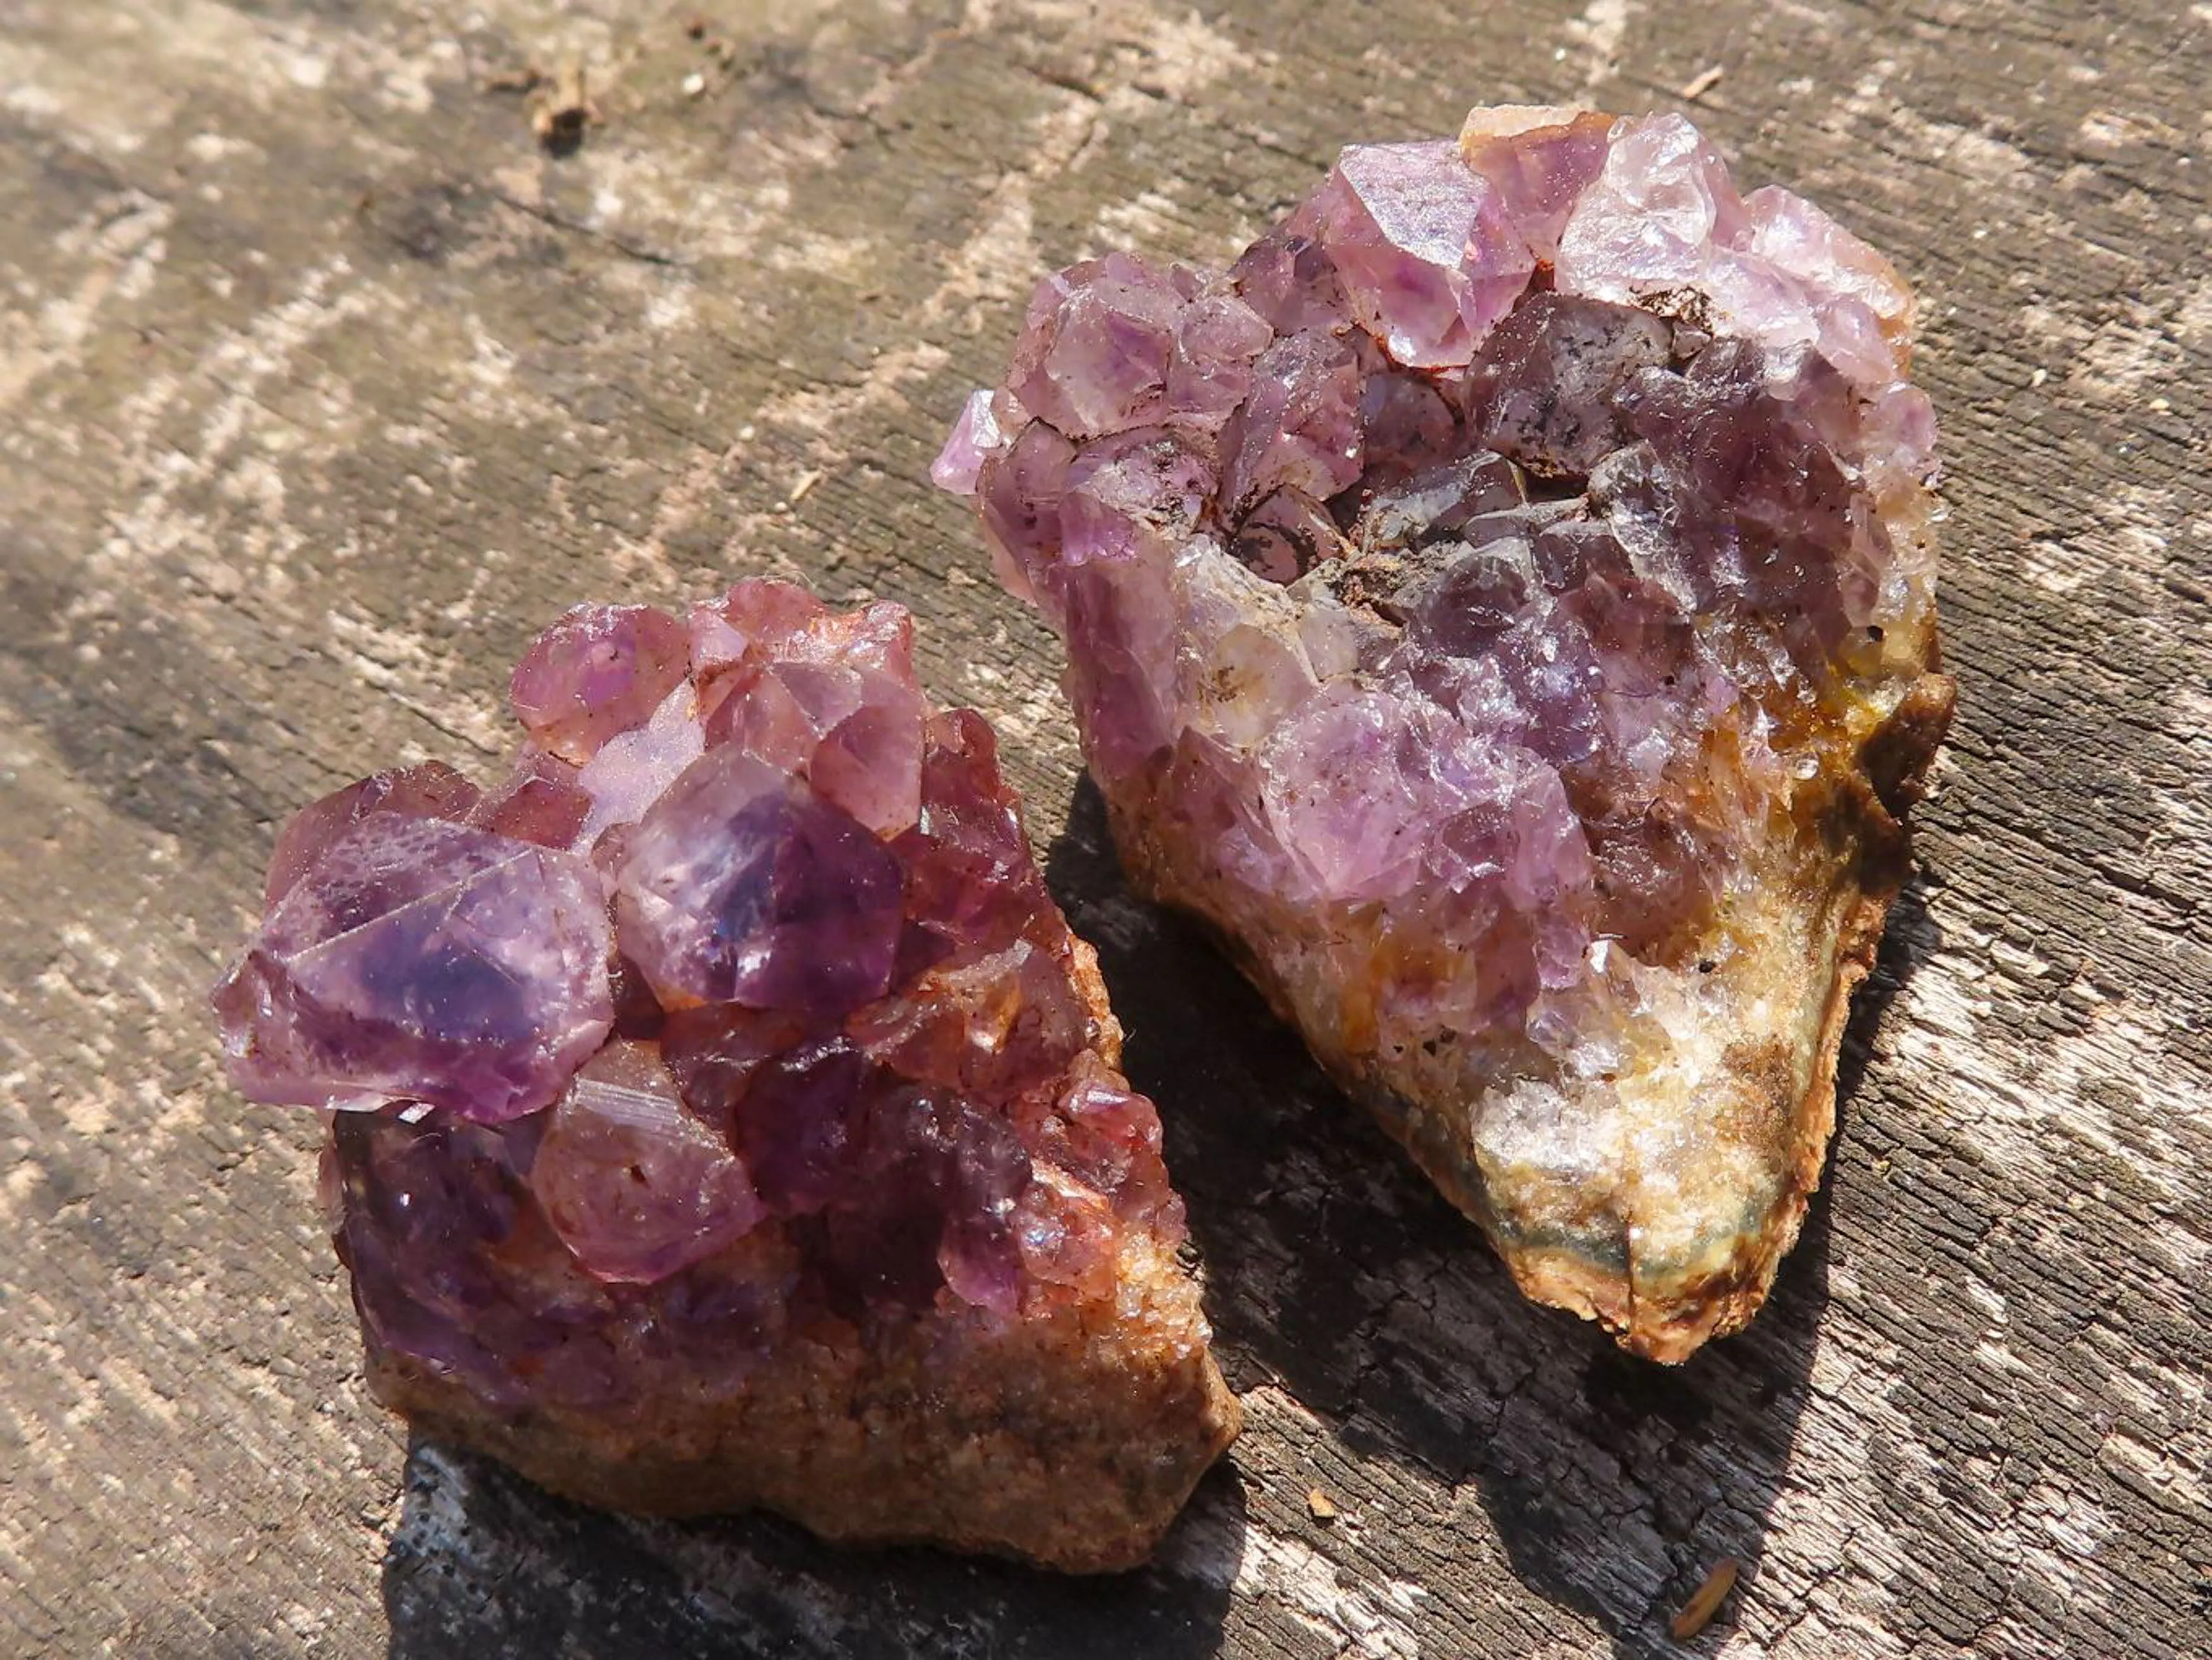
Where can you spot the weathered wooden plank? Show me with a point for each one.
(320, 387)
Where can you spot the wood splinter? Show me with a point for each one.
(1706, 1601)
(1701, 83)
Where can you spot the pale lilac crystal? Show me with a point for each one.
(1355, 822)
(1130, 497)
(1102, 342)
(1300, 428)
(750, 1017)
(870, 763)
(632, 769)
(1422, 247)
(1663, 216)
(1799, 239)
(1126, 499)
(1652, 220)
(834, 699)
(1539, 161)
(1860, 307)
(1289, 280)
(1218, 338)
(1020, 494)
(976, 436)
(1461, 669)
(1127, 691)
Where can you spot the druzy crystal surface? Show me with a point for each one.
(725, 1112)
(1500, 602)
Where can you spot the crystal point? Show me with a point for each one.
(1422, 244)
(739, 885)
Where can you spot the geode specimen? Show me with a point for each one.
(1502, 605)
(724, 1114)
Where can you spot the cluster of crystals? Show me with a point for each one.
(741, 1001)
(1511, 526)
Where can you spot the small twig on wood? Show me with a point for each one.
(1706, 1601)
(1702, 82)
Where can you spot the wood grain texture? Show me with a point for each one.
(321, 388)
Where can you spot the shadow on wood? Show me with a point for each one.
(483, 1565)
(1337, 1276)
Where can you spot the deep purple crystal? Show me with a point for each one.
(419, 959)
(741, 1003)
(739, 885)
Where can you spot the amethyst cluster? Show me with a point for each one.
(1472, 597)
(737, 1023)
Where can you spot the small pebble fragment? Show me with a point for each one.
(563, 114)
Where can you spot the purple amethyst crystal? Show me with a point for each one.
(416, 959)
(740, 885)
(1478, 601)
(432, 790)
(542, 801)
(636, 1185)
(1428, 260)
(726, 1077)
(599, 671)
